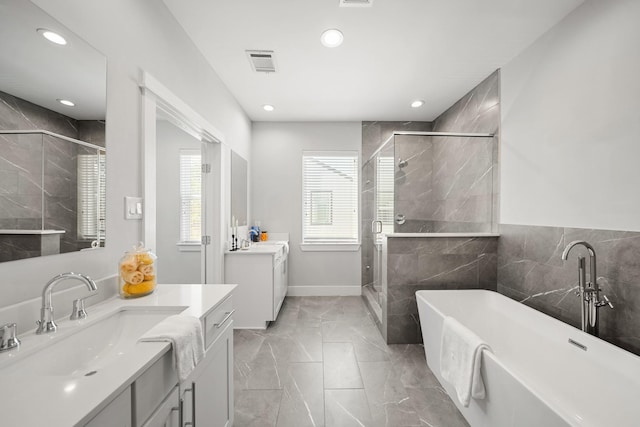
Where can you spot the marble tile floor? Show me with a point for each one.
(324, 363)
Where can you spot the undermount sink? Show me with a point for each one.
(91, 347)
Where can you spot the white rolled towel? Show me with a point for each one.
(185, 335)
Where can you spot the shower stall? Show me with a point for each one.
(420, 185)
(52, 194)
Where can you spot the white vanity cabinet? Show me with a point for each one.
(207, 396)
(152, 392)
(116, 413)
(135, 383)
(208, 393)
(168, 414)
(261, 274)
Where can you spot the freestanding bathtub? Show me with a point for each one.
(542, 372)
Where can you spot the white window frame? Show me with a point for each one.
(185, 243)
(330, 243)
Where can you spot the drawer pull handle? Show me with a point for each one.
(180, 412)
(228, 314)
(191, 423)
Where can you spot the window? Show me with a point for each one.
(190, 196)
(384, 194)
(330, 197)
(92, 196)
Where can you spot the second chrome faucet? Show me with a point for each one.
(589, 291)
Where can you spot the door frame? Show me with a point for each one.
(155, 97)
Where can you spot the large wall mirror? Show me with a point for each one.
(52, 136)
(239, 183)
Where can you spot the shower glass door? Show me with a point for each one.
(383, 190)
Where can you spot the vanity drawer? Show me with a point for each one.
(151, 388)
(168, 413)
(215, 321)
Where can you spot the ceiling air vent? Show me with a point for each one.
(262, 61)
(356, 3)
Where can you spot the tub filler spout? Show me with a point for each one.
(589, 291)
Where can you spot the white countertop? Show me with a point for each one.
(269, 247)
(30, 400)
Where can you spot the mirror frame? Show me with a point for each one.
(236, 202)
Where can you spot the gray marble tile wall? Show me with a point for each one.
(465, 181)
(92, 131)
(60, 194)
(413, 186)
(19, 246)
(418, 263)
(16, 113)
(373, 135)
(531, 271)
(448, 185)
(23, 182)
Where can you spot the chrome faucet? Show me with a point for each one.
(589, 292)
(9, 337)
(46, 323)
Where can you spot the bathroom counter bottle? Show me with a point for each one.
(137, 273)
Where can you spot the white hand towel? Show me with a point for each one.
(185, 335)
(460, 359)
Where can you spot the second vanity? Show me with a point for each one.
(93, 372)
(261, 273)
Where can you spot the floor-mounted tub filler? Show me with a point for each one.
(540, 371)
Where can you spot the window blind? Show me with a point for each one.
(92, 196)
(190, 196)
(330, 197)
(384, 193)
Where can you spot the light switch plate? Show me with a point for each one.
(133, 207)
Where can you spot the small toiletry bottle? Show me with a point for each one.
(264, 236)
(254, 234)
(257, 228)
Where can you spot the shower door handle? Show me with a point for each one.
(376, 227)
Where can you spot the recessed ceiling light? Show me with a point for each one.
(331, 38)
(66, 102)
(268, 107)
(51, 36)
(417, 104)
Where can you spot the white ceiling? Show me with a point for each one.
(393, 53)
(41, 72)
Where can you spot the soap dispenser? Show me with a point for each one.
(254, 233)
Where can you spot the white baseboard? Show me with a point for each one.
(324, 291)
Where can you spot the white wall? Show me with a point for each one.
(174, 265)
(133, 35)
(276, 200)
(571, 123)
